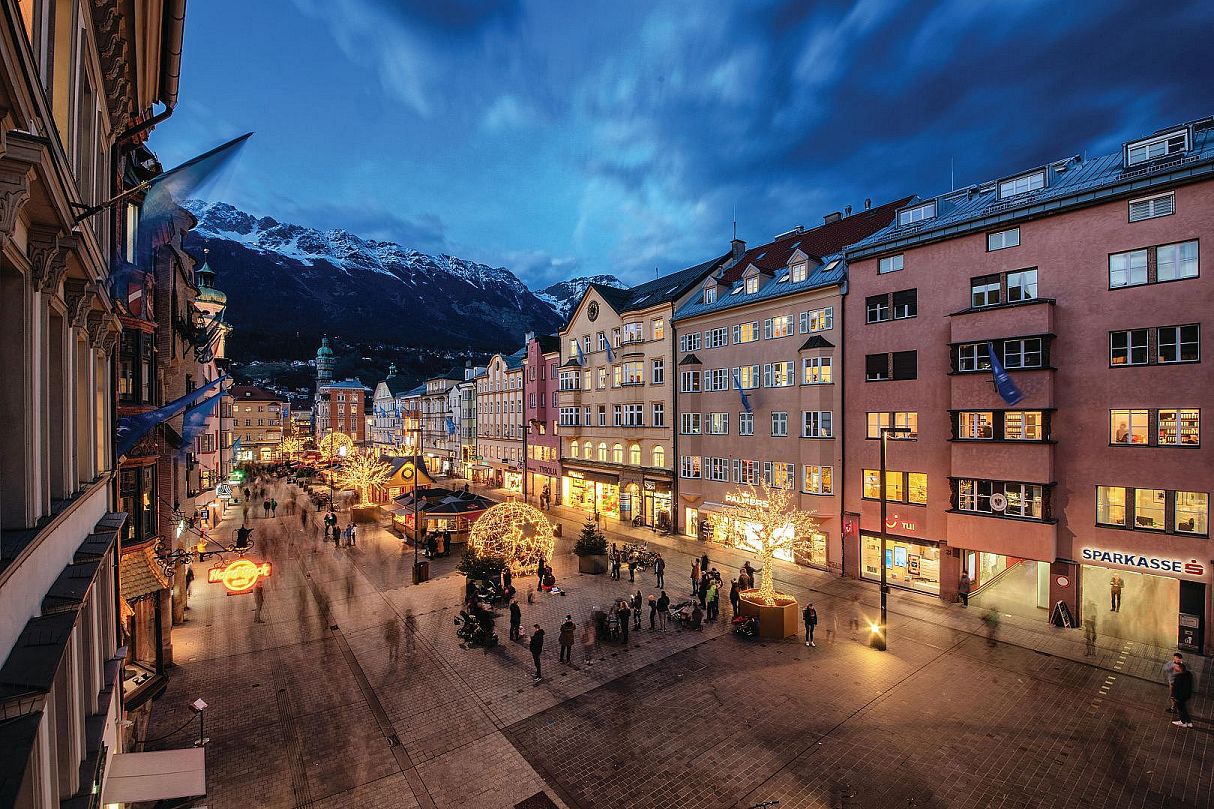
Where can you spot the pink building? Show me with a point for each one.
(1090, 490)
(540, 412)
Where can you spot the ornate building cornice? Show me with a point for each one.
(78, 295)
(48, 251)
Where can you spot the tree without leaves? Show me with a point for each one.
(362, 471)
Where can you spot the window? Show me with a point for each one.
(1152, 207)
(1022, 185)
(1127, 269)
(573, 449)
(1003, 239)
(617, 453)
(872, 484)
(1129, 426)
(657, 372)
(1111, 506)
(816, 424)
(602, 378)
(602, 341)
(718, 423)
(876, 308)
(746, 424)
(568, 417)
(1179, 344)
(919, 213)
(817, 320)
(716, 469)
(752, 284)
(1179, 428)
(689, 342)
(916, 488)
(1176, 261)
(746, 332)
(1000, 498)
(689, 382)
(745, 472)
(632, 372)
(1153, 510)
(908, 421)
(602, 415)
(659, 414)
(689, 466)
(690, 423)
(779, 475)
(985, 291)
(1158, 146)
(876, 367)
(817, 479)
(1192, 510)
(779, 374)
(1149, 508)
(775, 327)
(799, 271)
(748, 376)
(1022, 353)
(1128, 347)
(889, 264)
(634, 415)
(905, 365)
(710, 296)
(1022, 285)
(815, 371)
(602, 451)
(715, 338)
(975, 425)
(716, 379)
(138, 496)
(659, 456)
(905, 304)
(659, 328)
(1023, 425)
(779, 423)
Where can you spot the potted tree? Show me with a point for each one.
(591, 549)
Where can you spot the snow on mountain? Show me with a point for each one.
(564, 295)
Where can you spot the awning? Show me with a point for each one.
(599, 477)
(139, 574)
(133, 777)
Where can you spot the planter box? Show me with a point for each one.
(596, 564)
(775, 622)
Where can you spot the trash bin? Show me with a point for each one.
(421, 571)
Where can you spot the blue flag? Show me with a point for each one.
(737, 383)
(132, 428)
(450, 426)
(610, 353)
(235, 447)
(1003, 381)
(581, 357)
(195, 420)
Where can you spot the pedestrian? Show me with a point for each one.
(750, 576)
(653, 612)
(810, 616)
(588, 639)
(516, 620)
(189, 581)
(351, 534)
(1089, 635)
(392, 639)
(735, 598)
(702, 592)
(663, 609)
(246, 493)
(1182, 690)
(695, 578)
(566, 639)
(1169, 673)
(615, 564)
(447, 542)
(1115, 585)
(622, 613)
(259, 598)
(991, 619)
(336, 535)
(703, 563)
(303, 519)
(632, 569)
(507, 578)
(539, 574)
(659, 569)
(963, 589)
(537, 647)
(410, 631)
(637, 602)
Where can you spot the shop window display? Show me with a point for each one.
(908, 564)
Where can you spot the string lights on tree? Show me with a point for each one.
(362, 470)
(765, 521)
(516, 532)
(335, 446)
(290, 446)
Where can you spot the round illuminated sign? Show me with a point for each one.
(998, 501)
(592, 311)
(239, 576)
(406, 471)
(1063, 581)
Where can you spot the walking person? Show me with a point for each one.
(410, 631)
(265, 505)
(735, 598)
(704, 563)
(663, 609)
(622, 614)
(653, 612)
(303, 519)
(1169, 673)
(516, 620)
(566, 639)
(695, 578)
(637, 602)
(259, 597)
(703, 592)
(539, 573)
(810, 616)
(273, 507)
(351, 534)
(659, 569)
(1182, 690)
(588, 639)
(1116, 583)
(537, 648)
(1089, 635)
(392, 640)
(963, 589)
(712, 600)
(632, 569)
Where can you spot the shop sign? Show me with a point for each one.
(223, 491)
(240, 575)
(1144, 563)
(893, 521)
(745, 499)
(650, 486)
(572, 473)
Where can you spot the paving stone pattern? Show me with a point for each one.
(315, 708)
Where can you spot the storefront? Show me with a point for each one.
(983, 568)
(657, 503)
(911, 565)
(1164, 608)
(594, 492)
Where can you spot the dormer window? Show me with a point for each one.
(710, 294)
(919, 213)
(752, 284)
(1159, 146)
(799, 271)
(1022, 184)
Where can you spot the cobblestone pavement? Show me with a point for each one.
(315, 708)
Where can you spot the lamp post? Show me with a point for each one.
(880, 637)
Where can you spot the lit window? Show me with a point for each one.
(817, 480)
(1192, 513)
(1149, 507)
(1179, 428)
(1022, 185)
(975, 425)
(1129, 426)
(710, 294)
(799, 271)
(1110, 505)
(1003, 239)
(752, 285)
(815, 371)
(603, 451)
(1023, 425)
(659, 456)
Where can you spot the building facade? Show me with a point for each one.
(339, 407)
(543, 455)
(257, 420)
(389, 407)
(1082, 277)
(616, 399)
(211, 461)
(439, 422)
(499, 422)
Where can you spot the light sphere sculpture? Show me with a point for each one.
(516, 532)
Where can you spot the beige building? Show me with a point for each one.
(499, 422)
(257, 420)
(616, 398)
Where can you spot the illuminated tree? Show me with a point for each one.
(335, 446)
(764, 521)
(515, 532)
(290, 446)
(363, 470)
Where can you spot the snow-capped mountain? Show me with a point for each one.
(286, 278)
(564, 295)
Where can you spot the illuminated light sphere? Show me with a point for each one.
(517, 532)
(335, 445)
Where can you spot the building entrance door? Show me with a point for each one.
(1144, 611)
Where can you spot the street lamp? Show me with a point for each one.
(880, 632)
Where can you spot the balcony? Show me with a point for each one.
(1027, 539)
(1003, 460)
(1005, 320)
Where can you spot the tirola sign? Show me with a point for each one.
(1147, 564)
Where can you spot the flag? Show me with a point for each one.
(132, 428)
(1003, 381)
(450, 426)
(236, 447)
(581, 356)
(610, 353)
(195, 420)
(737, 381)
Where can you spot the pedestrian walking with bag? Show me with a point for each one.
(566, 639)
(810, 616)
(537, 648)
(1182, 691)
(963, 589)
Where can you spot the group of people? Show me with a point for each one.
(618, 558)
(330, 528)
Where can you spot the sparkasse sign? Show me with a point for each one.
(1145, 564)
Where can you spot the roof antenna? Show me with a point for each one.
(952, 185)
(655, 271)
(735, 221)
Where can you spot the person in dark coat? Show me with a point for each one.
(1182, 691)
(516, 620)
(702, 591)
(566, 638)
(810, 616)
(663, 609)
(539, 574)
(638, 601)
(704, 562)
(735, 598)
(963, 589)
(653, 612)
(623, 614)
(537, 648)
(659, 569)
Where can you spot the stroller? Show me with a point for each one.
(745, 626)
(683, 614)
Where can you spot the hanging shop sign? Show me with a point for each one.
(223, 491)
(240, 575)
(1146, 564)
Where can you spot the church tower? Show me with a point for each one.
(324, 364)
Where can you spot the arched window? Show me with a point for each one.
(589, 450)
(602, 451)
(634, 455)
(617, 453)
(573, 447)
(659, 456)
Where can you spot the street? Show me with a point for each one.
(321, 705)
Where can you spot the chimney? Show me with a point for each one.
(868, 204)
(737, 248)
(834, 216)
(847, 211)
(528, 337)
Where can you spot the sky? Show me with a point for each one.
(562, 139)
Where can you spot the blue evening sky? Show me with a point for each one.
(571, 138)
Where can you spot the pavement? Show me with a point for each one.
(317, 707)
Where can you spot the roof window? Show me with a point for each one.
(1023, 184)
(1140, 151)
(918, 213)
